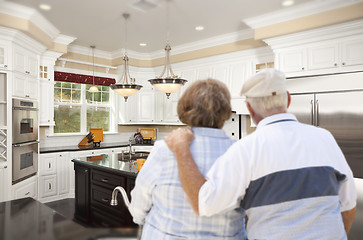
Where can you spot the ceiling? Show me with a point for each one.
(100, 23)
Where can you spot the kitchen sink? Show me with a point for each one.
(125, 157)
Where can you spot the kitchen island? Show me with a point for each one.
(95, 179)
(28, 219)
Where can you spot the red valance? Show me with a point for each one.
(84, 79)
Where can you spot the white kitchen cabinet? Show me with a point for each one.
(322, 57)
(26, 188)
(24, 61)
(54, 176)
(25, 86)
(4, 56)
(169, 108)
(146, 105)
(4, 174)
(46, 106)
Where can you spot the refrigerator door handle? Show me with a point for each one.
(317, 113)
(312, 111)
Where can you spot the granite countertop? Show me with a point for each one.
(91, 147)
(110, 161)
(28, 219)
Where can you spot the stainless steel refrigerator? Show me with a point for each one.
(340, 112)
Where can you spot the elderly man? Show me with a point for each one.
(292, 179)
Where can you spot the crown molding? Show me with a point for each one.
(63, 39)
(50, 56)
(88, 51)
(133, 54)
(295, 12)
(21, 39)
(316, 35)
(30, 14)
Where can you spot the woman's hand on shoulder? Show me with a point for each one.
(179, 139)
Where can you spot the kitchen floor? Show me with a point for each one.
(65, 207)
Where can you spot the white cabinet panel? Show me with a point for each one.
(146, 106)
(48, 165)
(25, 86)
(46, 106)
(237, 78)
(292, 60)
(63, 163)
(47, 186)
(25, 61)
(352, 52)
(204, 73)
(324, 56)
(26, 188)
(4, 56)
(4, 190)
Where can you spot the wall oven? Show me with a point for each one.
(25, 136)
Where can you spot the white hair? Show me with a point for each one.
(266, 106)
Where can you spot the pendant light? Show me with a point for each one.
(93, 88)
(126, 86)
(170, 83)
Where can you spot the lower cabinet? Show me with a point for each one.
(93, 191)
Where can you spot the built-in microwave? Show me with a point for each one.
(25, 121)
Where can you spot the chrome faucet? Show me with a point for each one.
(126, 201)
(124, 196)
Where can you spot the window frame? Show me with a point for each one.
(112, 105)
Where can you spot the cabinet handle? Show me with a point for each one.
(27, 193)
(5, 65)
(302, 68)
(5, 166)
(86, 171)
(49, 165)
(49, 186)
(343, 63)
(60, 155)
(105, 200)
(335, 64)
(26, 95)
(104, 180)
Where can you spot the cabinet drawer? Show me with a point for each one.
(28, 188)
(102, 197)
(47, 186)
(107, 179)
(102, 219)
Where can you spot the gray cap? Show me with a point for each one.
(267, 82)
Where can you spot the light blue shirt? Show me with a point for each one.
(160, 204)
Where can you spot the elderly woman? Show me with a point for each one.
(158, 200)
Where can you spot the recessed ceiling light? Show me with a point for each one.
(287, 3)
(142, 44)
(45, 7)
(199, 28)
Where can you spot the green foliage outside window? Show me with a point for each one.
(67, 119)
(67, 108)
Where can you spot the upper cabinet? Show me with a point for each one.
(25, 61)
(333, 49)
(4, 55)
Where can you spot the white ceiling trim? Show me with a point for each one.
(300, 11)
(63, 39)
(315, 35)
(88, 51)
(30, 14)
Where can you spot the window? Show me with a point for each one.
(76, 109)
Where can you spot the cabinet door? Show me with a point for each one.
(25, 86)
(352, 52)
(4, 56)
(47, 186)
(170, 108)
(63, 162)
(4, 189)
(20, 59)
(323, 56)
(82, 184)
(47, 164)
(46, 96)
(292, 60)
(32, 65)
(146, 106)
(26, 188)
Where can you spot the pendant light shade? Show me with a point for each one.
(126, 86)
(170, 83)
(93, 88)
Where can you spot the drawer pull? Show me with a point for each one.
(27, 193)
(105, 200)
(86, 171)
(49, 165)
(49, 186)
(104, 180)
